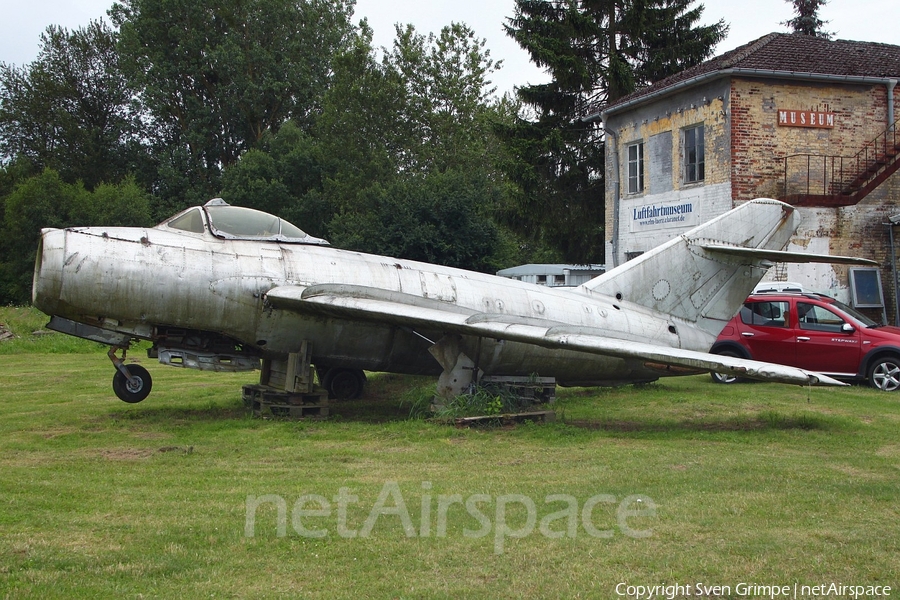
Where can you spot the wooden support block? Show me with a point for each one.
(541, 416)
(299, 375)
(266, 401)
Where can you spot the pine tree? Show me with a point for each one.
(807, 21)
(595, 51)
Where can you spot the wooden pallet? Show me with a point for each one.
(266, 401)
(542, 416)
(536, 390)
(288, 411)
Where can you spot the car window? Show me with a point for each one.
(818, 318)
(866, 321)
(765, 314)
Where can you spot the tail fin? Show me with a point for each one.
(702, 276)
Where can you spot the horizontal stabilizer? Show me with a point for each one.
(784, 256)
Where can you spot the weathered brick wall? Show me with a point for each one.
(759, 145)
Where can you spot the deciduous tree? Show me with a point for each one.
(216, 75)
(402, 159)
(70, 109)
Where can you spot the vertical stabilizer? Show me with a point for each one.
(700, 285)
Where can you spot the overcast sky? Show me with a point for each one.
(22, 21)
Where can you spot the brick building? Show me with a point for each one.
(798, 118)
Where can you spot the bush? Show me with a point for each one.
(45, 200)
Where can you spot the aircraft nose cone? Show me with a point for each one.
(48, 267)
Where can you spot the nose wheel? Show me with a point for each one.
(131, 383)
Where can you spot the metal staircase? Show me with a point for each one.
(829, 181)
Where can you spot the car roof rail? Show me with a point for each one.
(792, 292)
(776, 291)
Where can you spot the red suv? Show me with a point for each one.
(812, 332)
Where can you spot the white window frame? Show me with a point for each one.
(635, 167)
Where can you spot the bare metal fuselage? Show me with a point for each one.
(135, 281)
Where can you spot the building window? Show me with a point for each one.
(694, 169)
(636, 168)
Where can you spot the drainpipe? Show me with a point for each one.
(892, 222)
(891, 83)
(615, 182)
(894, 277)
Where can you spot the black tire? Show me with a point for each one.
(884, 374)
(344, 384)
(722, 377)
(129, 393)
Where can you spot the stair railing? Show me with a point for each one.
(825, 175)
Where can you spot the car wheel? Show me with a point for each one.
(884, 374)
(724, 377)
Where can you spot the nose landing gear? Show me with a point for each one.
(130, 383)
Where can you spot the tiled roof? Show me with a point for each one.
(791, 52)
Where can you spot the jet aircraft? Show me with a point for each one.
(222, 287)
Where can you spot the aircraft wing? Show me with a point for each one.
(370, 304)
(784, 256)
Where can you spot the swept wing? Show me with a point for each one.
(371, 304)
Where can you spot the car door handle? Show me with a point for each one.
(747, 334)
(802, 339)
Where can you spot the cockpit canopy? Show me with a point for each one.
(239, 223)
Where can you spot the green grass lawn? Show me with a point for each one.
(682, 481)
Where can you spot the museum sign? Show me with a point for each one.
(805, 118)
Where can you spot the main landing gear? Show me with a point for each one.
(131, 383)
(343, 384)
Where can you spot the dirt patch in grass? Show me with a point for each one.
(152, 435)
(889, 451)
(49, 434)
(180, 416)
(125, 454)
(749, 423)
